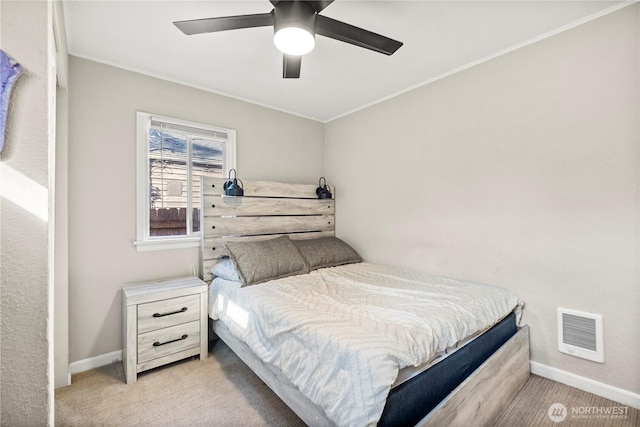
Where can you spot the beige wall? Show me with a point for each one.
(103, 100)
(26, 243)
(521, 172)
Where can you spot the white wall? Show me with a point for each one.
(27, 187)
(521, 172)
(61, 256)
(271, 145)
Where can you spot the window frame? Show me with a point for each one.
(144, 242)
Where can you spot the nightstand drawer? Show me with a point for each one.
(162, 342)
(168, 312)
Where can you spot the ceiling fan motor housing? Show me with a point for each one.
(298, 14)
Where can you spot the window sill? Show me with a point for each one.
(167, 244)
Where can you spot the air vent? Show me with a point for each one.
(580, 334)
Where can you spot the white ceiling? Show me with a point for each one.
(439, 37)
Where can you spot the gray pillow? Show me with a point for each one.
(264, 260)
(327, 252)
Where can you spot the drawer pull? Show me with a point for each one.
(182, 310)
(158, 344)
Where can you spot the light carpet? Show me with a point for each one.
(222, 391)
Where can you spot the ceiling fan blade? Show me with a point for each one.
(291, 66)
(224, 23)
(357, 36)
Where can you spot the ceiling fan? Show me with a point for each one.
(295, 25)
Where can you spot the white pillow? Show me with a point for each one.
(226, 270)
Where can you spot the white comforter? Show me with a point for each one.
(341, 334)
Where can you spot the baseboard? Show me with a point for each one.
(95, 362)
(607, 391)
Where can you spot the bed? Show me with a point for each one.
(454, 377)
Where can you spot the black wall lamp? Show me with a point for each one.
(323, 191)
(231, 187)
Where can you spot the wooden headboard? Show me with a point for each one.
(267, 210)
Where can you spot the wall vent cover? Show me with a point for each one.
(580, 334)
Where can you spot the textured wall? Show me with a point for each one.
(26, 387)
(271, 145)
(522, 172)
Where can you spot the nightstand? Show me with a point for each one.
(163, 321)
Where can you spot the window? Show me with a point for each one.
(172, 156)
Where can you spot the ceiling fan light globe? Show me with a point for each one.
(294, 41)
